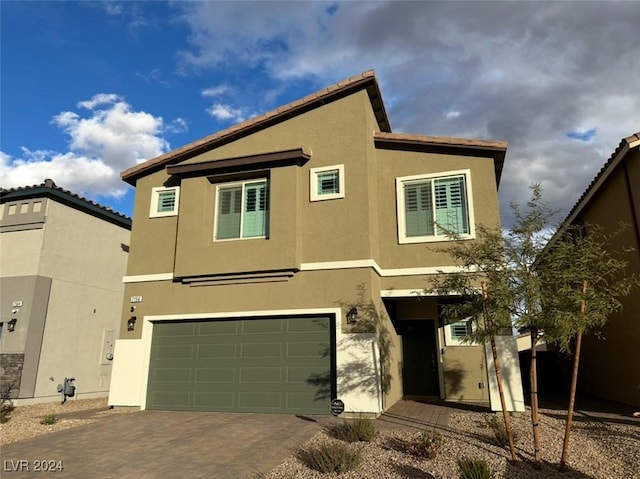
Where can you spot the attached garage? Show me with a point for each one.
(278, 365)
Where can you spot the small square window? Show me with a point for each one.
(164, 202)
(326, 183)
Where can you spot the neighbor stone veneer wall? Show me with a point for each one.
(11, 371)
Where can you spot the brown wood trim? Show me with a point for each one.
(298, 157)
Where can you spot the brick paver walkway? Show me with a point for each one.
(414, 416)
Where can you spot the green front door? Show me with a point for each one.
(278, 365)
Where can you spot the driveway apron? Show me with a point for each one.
(156, 444)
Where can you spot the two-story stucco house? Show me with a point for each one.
(276, 265)
(62, 258)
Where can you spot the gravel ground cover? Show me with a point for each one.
(25, 420)
(598, 450)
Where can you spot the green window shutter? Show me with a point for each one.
(166, 201)
(418, 209)
(256, 210)
(229, 212)
(460, 329)
(451, 205)
(328, 182)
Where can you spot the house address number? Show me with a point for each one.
(136, 299)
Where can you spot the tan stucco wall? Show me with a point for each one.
(28, 244)
(395, 164)
(610, 367)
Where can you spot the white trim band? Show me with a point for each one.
(143, 278)
(370, 263)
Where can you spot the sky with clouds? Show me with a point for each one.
(89, 89)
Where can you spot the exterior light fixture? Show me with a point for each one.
(131, 323)
(352, 316)
(11, 324)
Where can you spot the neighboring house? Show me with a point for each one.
(61, 263)
(610, 365)
(276, 265)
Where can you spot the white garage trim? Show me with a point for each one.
(352, 348)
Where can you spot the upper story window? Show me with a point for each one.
(432, 207)
(242, 210)
(326, 183)
(164, 201)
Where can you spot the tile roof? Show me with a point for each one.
(469, 146)
(366, 80)
(443, 140)
(49, 188)
(627, 142)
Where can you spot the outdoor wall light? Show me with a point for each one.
(131, 324)
(11, 324)
(352, 316)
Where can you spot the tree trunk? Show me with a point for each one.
(503, 403)
(574, 383)
(535, 412)
(505, 413)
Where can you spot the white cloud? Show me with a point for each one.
(215, 91)
(525, 72)
(101, 145)
(179, 125)
(223, 112)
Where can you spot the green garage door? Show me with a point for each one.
(256, 365)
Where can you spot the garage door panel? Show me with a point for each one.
(261, 375)
(177, 329)
(259, 365)
(261, 350)
(305, 349)
(262, 326)
(261, 400)
(216, 328)
(172, 375)
(221, 351)
(319, 325)
(215, 400)
(215, 375)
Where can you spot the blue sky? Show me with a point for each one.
(91, 88)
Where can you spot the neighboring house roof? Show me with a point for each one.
(444, 144)
(49, 189)
(364, 81)
(626, 144)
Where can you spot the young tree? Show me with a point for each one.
(583, 278)
(499, 288)
(485, 298)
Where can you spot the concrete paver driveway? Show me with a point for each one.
(156, 444)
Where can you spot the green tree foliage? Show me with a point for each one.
(499, 288)
(584, 277)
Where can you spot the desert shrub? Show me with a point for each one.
(354, 430)
(6, 404)
(499, 431)
(331, 456)
(425, 445)
(474, 469)
(49, 419)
